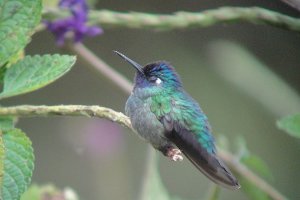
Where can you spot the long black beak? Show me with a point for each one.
(133, 63)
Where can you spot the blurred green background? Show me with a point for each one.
(244, 76)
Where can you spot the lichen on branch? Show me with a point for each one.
(185, 20)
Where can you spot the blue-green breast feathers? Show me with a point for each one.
(178, 111)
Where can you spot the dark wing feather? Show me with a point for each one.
(208, 163)
(187, 127)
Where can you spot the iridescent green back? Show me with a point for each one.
(178, 110)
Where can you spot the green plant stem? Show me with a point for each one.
(214, 192)
(150, 158)
(107, 113)
(184, 20)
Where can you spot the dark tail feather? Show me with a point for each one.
(208, 163)
(218, 173)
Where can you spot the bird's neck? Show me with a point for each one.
(145, 93)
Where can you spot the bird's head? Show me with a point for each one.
(155, 76)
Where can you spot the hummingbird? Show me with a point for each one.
(167, 117)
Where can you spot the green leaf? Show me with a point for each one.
(2, 152)
(34, 192)
(50, 3)
(37, 192)
(251, 160)
(256, 164)
(17, 160)
(18, 18)
(32, 73)
(2, 73)
(6, 123)
(290, 124)
(253, 191)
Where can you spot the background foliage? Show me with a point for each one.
(245, 76)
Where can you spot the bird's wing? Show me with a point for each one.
(187, 127)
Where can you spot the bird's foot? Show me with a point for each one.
(174, 154)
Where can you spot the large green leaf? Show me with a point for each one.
(18, 19)
(2, 152)
(17, 160)
(32, 73)
(290, 124)
(6, 123)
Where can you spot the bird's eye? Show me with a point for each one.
(155, 80)
(152, 78)
(158, 81)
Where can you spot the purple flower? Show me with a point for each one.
(75, 24)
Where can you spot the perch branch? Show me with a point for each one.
(107, 113)
(184, 20)
(66, 110)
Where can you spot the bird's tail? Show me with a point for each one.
(215, 170)
(207, 162)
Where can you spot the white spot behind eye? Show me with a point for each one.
(158, 81)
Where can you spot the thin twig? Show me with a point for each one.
(96, 63)
(185, 20)
(293, 3)
(107, 113)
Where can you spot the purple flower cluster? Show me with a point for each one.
(75, 24)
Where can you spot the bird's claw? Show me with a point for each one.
(175, 154)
